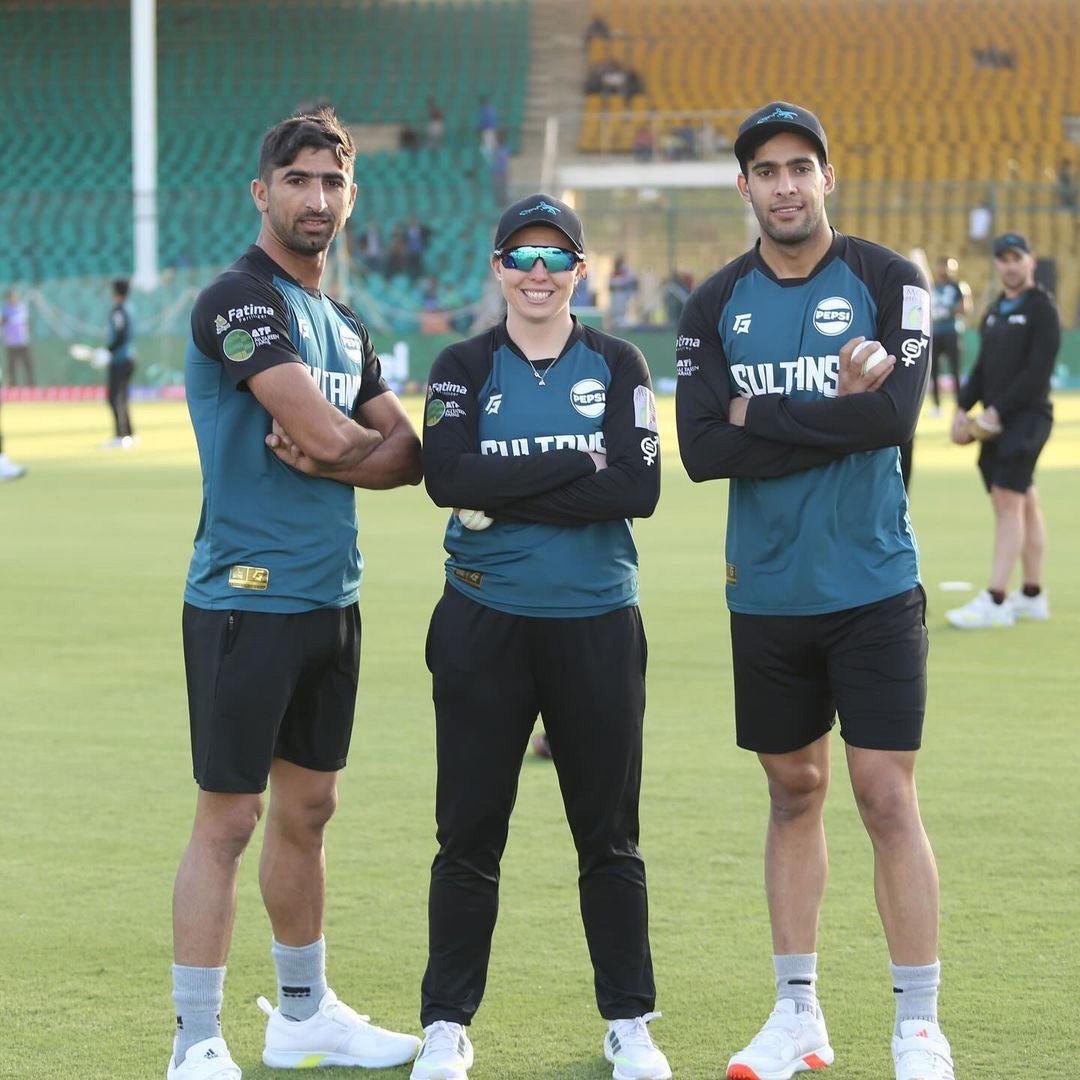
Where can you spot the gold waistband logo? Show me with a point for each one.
(249, 577)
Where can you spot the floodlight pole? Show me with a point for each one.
(144, 142)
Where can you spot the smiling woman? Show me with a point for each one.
(547, 430)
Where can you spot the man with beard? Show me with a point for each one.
(290, 413)
(802, 367)
(1019, 339)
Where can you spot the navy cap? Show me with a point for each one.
(541, 209)
(778, 116)
(1011, 241)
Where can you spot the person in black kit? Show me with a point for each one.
(548, 429)
(951, 301)
(121, 346)
(1019, 340)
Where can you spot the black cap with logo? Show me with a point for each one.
(1011, 241)
(541, 209)
(770, 119)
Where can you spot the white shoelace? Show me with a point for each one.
(635, 1032)
(441, 1037)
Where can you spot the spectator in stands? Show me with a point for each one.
(1019, 341)
(643, 142)
(436, 125)
(622, 287)
(416, 241)
(676, 291)
(500, 170)
(121, 346)
(597, 30)
(371, 247)
(1066, 186)
(980, 222)
(15, 316)
(950, 301)
(397, 253)
(487, 126)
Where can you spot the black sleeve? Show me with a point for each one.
(119, 328)
(630, 485)
(971, 389)
(709, 446)
(455, 472)
(221, 330)
(869, 421)
(1034, 369)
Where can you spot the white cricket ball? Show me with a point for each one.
(474, 519)
(874, 358)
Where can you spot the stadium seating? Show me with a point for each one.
(931, 106)
(226, 71)
(955, 88)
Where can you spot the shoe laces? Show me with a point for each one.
(781, 1029)
(635, 1031)
(442, 1036)
(336, 1009)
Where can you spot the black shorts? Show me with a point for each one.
(794, 673)
(264, 686)
(1009, 460)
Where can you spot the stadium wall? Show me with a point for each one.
(406, 359)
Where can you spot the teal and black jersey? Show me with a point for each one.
(270, 538)
(512, 438)
(817, 511)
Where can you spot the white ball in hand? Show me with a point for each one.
(474, 519)
(875, 353)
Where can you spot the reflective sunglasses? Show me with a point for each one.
(524, 257)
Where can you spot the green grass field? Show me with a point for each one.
(97, 795)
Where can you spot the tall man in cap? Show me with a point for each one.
(540, 434)
(802, 367)
(1019, 340)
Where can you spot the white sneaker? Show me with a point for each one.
(335, 1035)
(981, 613)
(206, 1060)
(790, 1042)
(630, 1049)
(447, 1053)
(1029, 607)
(9, 470)
(921, 1052)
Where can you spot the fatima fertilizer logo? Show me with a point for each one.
(546, 207)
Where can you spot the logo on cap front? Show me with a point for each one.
(779, 114)
(546, 207)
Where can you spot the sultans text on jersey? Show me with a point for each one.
(814, 373)
(594, 441)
